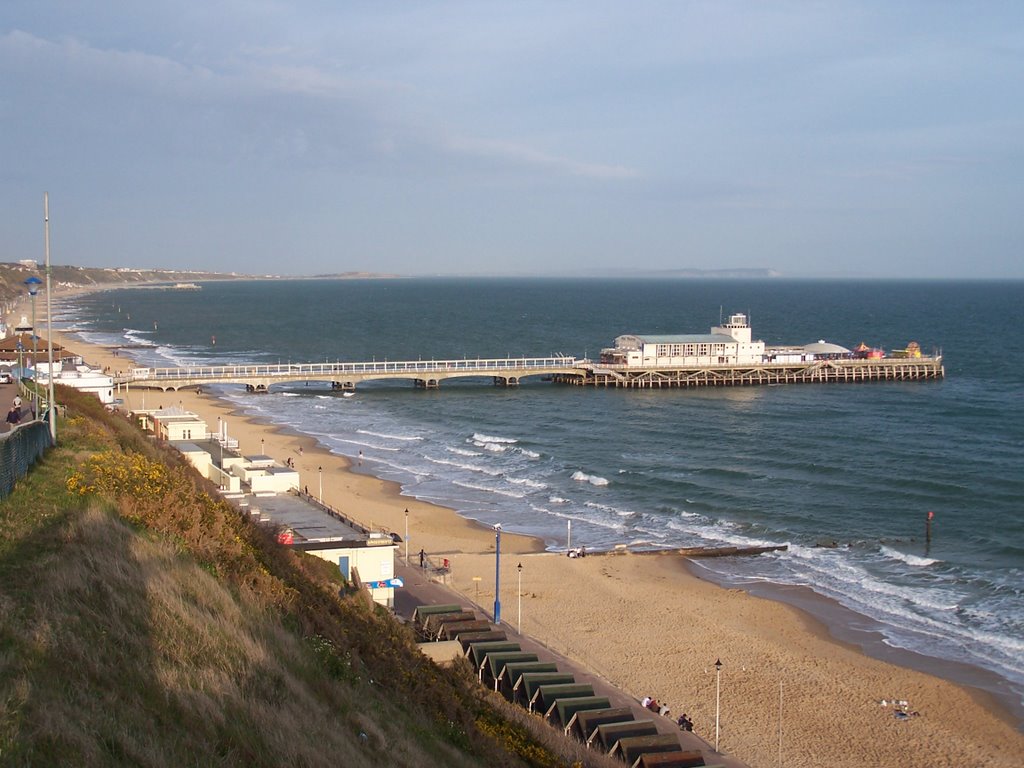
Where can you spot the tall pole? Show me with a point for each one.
(568, 537)
(718, 697)
(407, 538)
(497, 574)
(49, 324)
(519, 596)
(780, 723)
(320, 472)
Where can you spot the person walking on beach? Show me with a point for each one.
(423, 558)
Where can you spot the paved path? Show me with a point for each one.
(420, 589)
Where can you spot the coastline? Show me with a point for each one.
(654, 625)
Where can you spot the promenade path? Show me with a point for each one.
(420, 589)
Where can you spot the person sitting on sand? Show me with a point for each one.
(653, 705)
(645, 702)
(684, 723)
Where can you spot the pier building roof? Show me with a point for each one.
(686, 338)
(822, 347)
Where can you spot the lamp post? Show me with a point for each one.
(51, 405)
(519, 596)
(497, 574)
(33, 284)
(320, 474)
(718, 697)
(407, 538)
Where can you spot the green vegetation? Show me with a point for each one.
(144, 621)
(13, 276)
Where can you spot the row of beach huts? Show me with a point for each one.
(537, 685)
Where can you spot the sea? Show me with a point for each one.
(845, 475)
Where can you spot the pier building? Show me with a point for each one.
(726, 344)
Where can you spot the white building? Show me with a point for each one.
(73, 372)
(727, 344)
(175, 424)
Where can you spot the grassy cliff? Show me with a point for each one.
(144, 621)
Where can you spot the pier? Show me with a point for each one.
(771, 374)
(509, 372)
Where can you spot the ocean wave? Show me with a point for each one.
(907, 558)
(492, 447)
(462, 452)
(486, 489)
(464, 466)
(387, 436)
(583, 477)
(611, 509)
(479, 438)
(557, 500)
(529, 483)
(531, 454)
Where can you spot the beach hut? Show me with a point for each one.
(420, 614)
(491, 636)
(546, 695)
(512, 672)
(562, 710)
(495, 664)
(681, 759)
(477, 652)
(629, 748)
(605, 736)
(583, 723)
(450, 630)
(433, 623)
(526, 687)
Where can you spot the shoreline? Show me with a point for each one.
(570, 589)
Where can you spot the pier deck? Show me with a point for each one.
(564, 370)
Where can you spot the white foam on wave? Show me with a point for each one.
(611, 509)
(387, 436)
(290, 394)
(492, 447)
(462, 452)
(531, 454)
(907, 558)
(583, 477)
(499, 491)
(557, 500)
(480, 438)
(134, 335)
(464, 466)
(528, 482)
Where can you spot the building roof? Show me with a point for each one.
(687, 338)
(822, 347)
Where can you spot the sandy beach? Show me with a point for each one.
(651, 626)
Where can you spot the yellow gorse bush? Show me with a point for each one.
(116, 474)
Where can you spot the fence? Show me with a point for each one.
(20, 449)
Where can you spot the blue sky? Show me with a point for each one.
(813, 138)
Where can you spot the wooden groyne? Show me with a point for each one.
(815, 372)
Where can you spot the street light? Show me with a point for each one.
(33, 284)
(320, 472)
(407, 538)
(718, 697)
(519, 595)
(497, 574)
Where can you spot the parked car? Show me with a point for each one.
(6, 378)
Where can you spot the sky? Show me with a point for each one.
(815, 138)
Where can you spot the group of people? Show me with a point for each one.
(15, 414)
(684, 722)
(653, 705)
